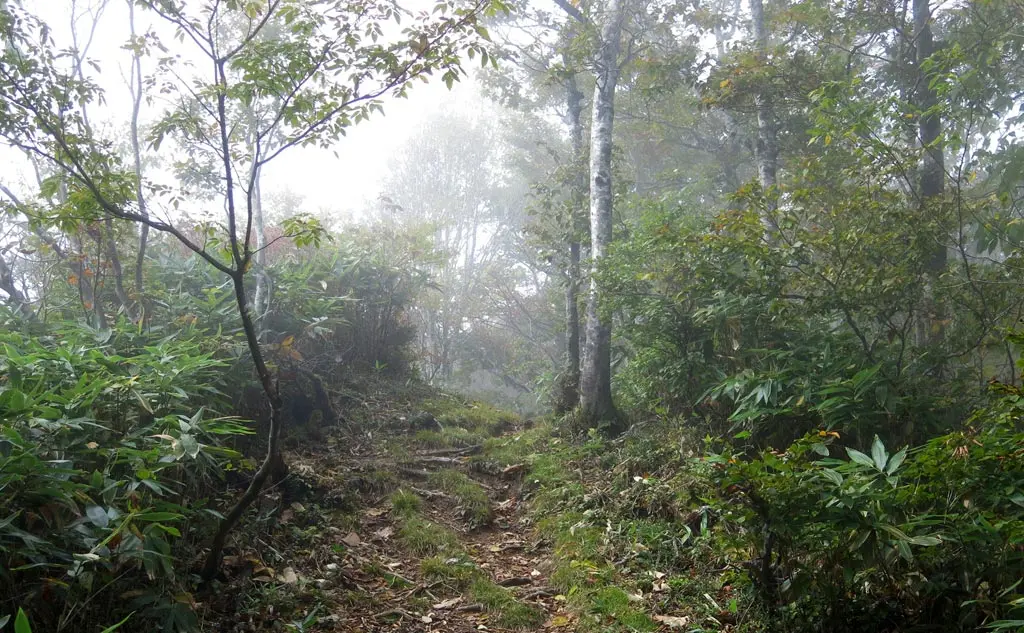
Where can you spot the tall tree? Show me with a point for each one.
(932, 171)
(767, 153)
(596, 405)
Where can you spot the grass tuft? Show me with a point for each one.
(405, 503)
(510, 613)
(425, 538)
(458, 570)
(470, 495)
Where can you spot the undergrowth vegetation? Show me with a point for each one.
(819, 536)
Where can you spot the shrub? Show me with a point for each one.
(105, 454)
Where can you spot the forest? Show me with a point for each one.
(596, 316)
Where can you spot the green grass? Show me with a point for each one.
(470, 495)
(429, 439)
(509, 612)
(374, 482)
(613, 603)
(458, 570)
(405, 503)
(424, 538)
(476, 417)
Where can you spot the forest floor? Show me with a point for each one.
(394, 522)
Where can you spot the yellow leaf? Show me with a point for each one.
(725, 83)
(288, 341)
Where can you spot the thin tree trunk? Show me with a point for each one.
(140, 199)
(767, 153)
(596, 406)
(107, 237)
(272, 464)
(569, 391)
(261, 298)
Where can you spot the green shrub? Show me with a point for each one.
(105, 453)
(918, 536)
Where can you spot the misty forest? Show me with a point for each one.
(597, 316)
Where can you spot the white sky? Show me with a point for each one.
(338, 187)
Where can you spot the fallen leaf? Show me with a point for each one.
(672, 621)
(447, 604)
(384, 533)
(426, 619)
(351, 540)
(535, 573)
(288, 576)
(92, 445)
(558, 620)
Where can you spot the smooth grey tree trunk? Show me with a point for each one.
(596, 406)
(261, 297)
(767, 149)
(137, 87)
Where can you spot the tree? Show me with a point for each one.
(311, 83)
(767, 133)
(596, 405)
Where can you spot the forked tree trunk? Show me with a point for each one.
(596, 406)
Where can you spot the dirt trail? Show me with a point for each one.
(348, 554)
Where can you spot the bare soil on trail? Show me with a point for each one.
(336, 557)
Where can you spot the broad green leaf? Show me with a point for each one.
(859, 457)
(189, 445)
(895, 532)
(97, 516)
(833, 476)
(879, 454)
(896, 461)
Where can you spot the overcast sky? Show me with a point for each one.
(341, 185)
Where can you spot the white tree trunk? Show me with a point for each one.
(596, 404)
(261, 297)
(767, 153)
